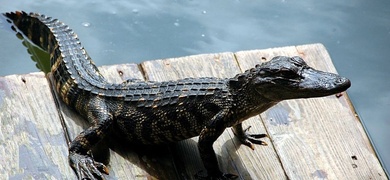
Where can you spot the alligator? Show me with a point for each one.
(148, 112)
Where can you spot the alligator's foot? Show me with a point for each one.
(86, 168)
(250, 139)
(221, 176)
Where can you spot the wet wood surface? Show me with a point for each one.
(319, 138)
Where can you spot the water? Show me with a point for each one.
(355, 32)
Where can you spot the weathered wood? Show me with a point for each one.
(32, 141)
(309, 139)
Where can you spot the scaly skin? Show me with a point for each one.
(159, 112)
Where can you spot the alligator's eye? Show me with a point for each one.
(288, 74)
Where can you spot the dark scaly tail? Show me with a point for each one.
(33, 29)
(72, 69)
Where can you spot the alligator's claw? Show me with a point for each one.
(250, 139)
(86, 168)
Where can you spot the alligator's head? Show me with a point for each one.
(290, 78)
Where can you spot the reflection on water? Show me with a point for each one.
(356, 33)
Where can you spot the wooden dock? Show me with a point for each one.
(320, 138)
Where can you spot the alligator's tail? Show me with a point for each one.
(34, 29)
(72, 69)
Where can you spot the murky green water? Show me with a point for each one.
(355, 32)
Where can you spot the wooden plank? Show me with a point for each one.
(32, 143)
(316, 138)
(262, 163)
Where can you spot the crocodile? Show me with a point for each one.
(148, 112)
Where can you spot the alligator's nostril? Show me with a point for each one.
(341, 80)
(345, 82)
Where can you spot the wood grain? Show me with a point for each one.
(32, 142)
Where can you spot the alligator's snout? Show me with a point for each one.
(318, 83)
(343, 83)
(337, 83)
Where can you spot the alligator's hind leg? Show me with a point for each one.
(80, 157)
(248, 139)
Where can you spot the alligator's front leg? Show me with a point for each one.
(248, 139)
(80, 157)
(206, 140)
